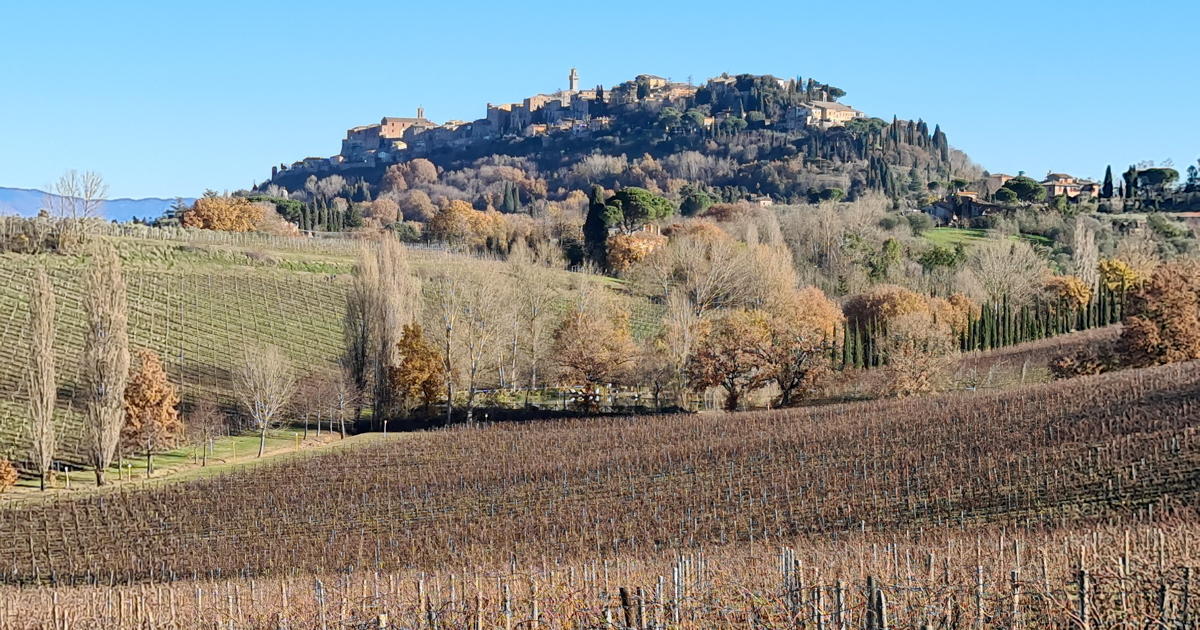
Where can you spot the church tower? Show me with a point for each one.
(573, 79)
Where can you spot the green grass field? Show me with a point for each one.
(949, 237)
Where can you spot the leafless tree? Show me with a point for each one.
(446, 293)
(483, 318)
(1085, 260)
(331, 186)
(75, 198)
(105, 356)
(397, 304)
(532, 323)
(383, 298)
(204, 424)
(342, 396)
(264, 384)
(1010, 270)
(43, 387)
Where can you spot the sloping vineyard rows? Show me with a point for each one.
(201, 324)
(1118, 447)
(1075, 578)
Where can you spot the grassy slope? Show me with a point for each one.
(949, 237)
(200, 306)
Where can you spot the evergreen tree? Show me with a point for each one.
(1106, 191)
(595, 228)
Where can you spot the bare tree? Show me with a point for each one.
(483, 317)
(105, 356)
(384, 297)
(359, 322)
(75, 198)
(532, 322)
(204, 424)
(43, 387)
(1085, 260)
(446, 293)
(1010, 270)
(264, 384)
(397, 304)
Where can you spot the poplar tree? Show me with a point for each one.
(105, 357)
(43, 387)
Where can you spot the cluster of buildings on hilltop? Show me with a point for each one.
(968, 205)
(397, 139)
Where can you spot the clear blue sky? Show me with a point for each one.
(170, 98)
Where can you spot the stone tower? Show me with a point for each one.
(573, 78)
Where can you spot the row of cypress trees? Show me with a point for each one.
(996, 326)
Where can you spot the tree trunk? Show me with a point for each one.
(100, 476)
(262, 440)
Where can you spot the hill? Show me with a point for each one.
(25, 202)
(734, 138)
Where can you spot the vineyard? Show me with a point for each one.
(916, 494)
(201, 299)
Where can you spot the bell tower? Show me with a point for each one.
(573, 80)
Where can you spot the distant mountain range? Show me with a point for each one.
(26, 203)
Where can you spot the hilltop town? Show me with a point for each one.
(576, 112)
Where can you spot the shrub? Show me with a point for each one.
(8, 475)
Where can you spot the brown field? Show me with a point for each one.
(1059, 466)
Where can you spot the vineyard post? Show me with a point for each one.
(881, 609)
(421, 602)
(627, 606)
(872, 616)
(978, 596)
(1016, 598)
(1185, 599)
(840, 616)
(229, 609)
(319, 590)
(506, 608)
(1084, 584)
(641, 607)
(534, 613)
(659, 612)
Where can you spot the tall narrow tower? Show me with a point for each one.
(573, 79)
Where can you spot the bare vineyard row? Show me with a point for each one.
(1118, 448)
(1077, 579)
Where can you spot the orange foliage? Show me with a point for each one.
(226, 214)
(882, 303)
(626, 250)
(1075, 293)
(151, 415)
(8, 475)
(1162, 320)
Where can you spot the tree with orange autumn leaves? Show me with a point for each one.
(227, 214)
(152, 421)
